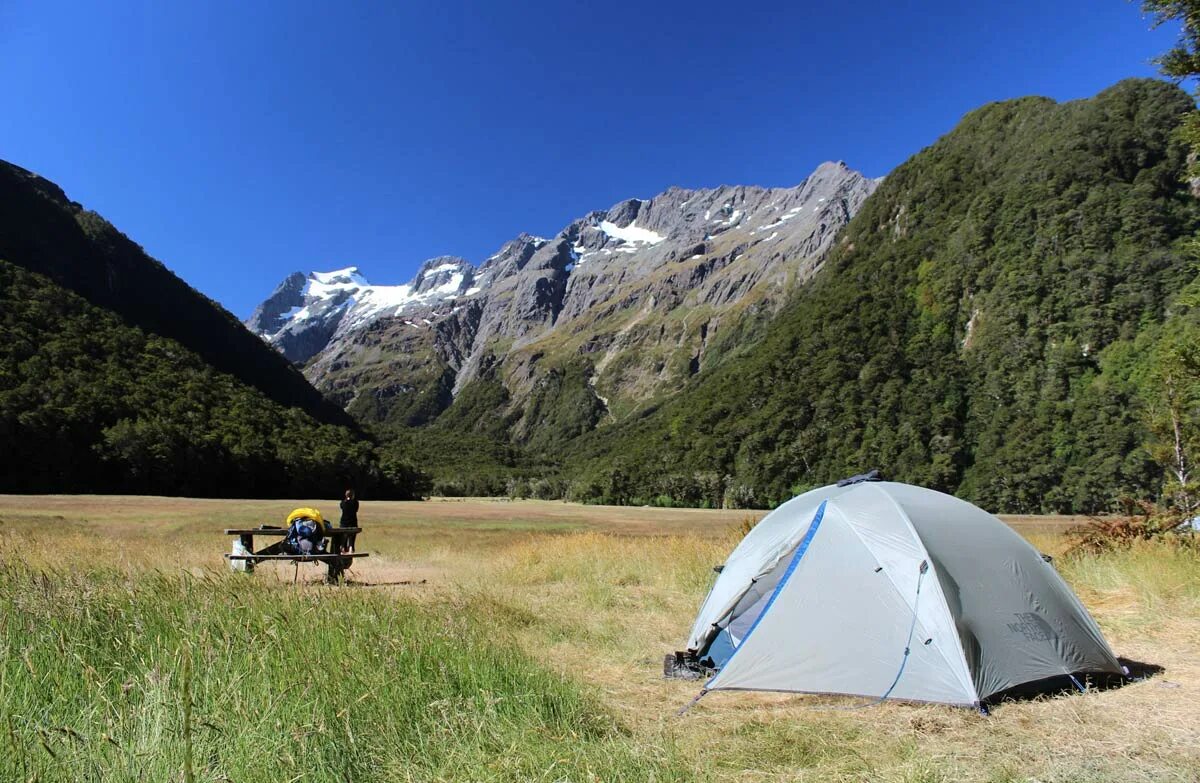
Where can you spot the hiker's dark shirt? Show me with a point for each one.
(349, 513)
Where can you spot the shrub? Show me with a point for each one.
(1140, 520)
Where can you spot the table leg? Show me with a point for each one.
(336, 566)
(248, 545)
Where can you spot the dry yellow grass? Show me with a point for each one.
(603, 593)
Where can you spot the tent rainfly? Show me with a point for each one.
(887, 590)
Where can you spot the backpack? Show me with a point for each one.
(306, 533)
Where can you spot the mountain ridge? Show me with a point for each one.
(539, 301)
(116, 376)
(43, 231)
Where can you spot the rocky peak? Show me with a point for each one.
(306, 312)
(269, 316)
(512, 255)
(625, 212)
(450, 274)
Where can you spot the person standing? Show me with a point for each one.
(349, 518)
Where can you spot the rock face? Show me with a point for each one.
(304, 314)
(273, 314)
(633, 301)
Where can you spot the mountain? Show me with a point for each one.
(979, 327)
(549, 338)
(44, 232)
(115, 376)
(304, 314)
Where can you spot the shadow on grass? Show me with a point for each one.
(1066, 685)
(1140, 670)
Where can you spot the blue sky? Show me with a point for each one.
(241, 141)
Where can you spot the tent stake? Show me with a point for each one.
(692, 703)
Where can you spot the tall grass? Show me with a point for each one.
(1139, 588)
(608, 607)
(108, 677)
(527, 656)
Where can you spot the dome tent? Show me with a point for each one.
(887, 590)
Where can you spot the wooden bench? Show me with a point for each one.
(336, 561)
(298, 558)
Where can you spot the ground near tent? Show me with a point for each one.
(600, 594)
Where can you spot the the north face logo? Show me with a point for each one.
(1032, 627)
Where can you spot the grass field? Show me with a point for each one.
(490, 640)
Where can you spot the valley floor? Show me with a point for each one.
(587, 599)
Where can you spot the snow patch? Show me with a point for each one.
(291, 314)
(300, 314)
(450, 286)
(631, 233)
(377, 299)
(348, 276)
(732, 221)
(324, 285)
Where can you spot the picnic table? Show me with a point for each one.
(336, 560)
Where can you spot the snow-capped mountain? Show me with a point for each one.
(305, 313)
(637, 298)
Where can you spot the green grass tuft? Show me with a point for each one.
(104, 677)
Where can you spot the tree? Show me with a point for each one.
(1174, 413)
(1173, 393)
(1182, 61)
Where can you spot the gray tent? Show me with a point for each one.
(887, 590)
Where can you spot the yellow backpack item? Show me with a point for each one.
(307, 513)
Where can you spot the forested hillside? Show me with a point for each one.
(45, 232)
(985, 325)
(91, 404)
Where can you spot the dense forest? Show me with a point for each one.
(89, 403)
(116, 376)
(993, 323)
(45, 232)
